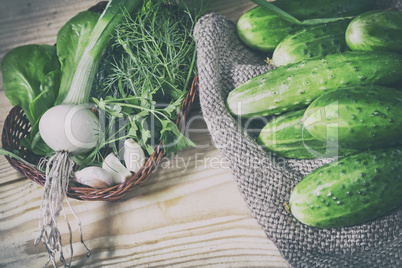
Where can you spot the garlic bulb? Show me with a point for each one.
(115, 168)
(94, 177)
(134, 156)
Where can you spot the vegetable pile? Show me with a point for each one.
(333, 92)
(102, 99)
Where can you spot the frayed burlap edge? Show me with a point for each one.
(264, 180)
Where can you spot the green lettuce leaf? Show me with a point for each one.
(25, 72)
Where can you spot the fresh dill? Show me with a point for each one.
(145, 76)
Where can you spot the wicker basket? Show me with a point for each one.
(17, 127)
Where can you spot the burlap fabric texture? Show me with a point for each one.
(265, 180)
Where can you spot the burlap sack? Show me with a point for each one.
(265, 180)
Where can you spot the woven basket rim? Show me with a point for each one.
(113, 193)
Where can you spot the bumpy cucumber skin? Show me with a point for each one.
(262, 30)
(376, 30)
(353, 190)
(296, 85)
(312, 42)
(286, 136)
(312, 9)
(357, 117)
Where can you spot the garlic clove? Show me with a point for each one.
(134, 156)
(94, 177)
(115, 168)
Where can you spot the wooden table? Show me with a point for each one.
(189, 213)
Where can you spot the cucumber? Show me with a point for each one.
(262, 30)
(312, 42)
(350, 191)
(376, 30)
(312, 9)
(296, 85)
(357, 117)
(286, 136)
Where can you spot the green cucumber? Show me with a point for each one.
(353, 190)
(296, 85)
(286, 136)
(313, 9)
(312, 42)
(376, 30)
(262, 29)
(357, 117)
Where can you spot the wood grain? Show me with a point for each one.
(188, 214)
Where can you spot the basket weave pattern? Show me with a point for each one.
(17, 127)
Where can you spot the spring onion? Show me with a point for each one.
(70, 128)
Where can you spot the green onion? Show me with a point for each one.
(87, 67)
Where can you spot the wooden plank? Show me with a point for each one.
(189, 213)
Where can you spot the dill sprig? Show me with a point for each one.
(145, 75)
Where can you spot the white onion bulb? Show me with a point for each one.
(71, 128)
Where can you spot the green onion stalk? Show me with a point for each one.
(59, 167)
